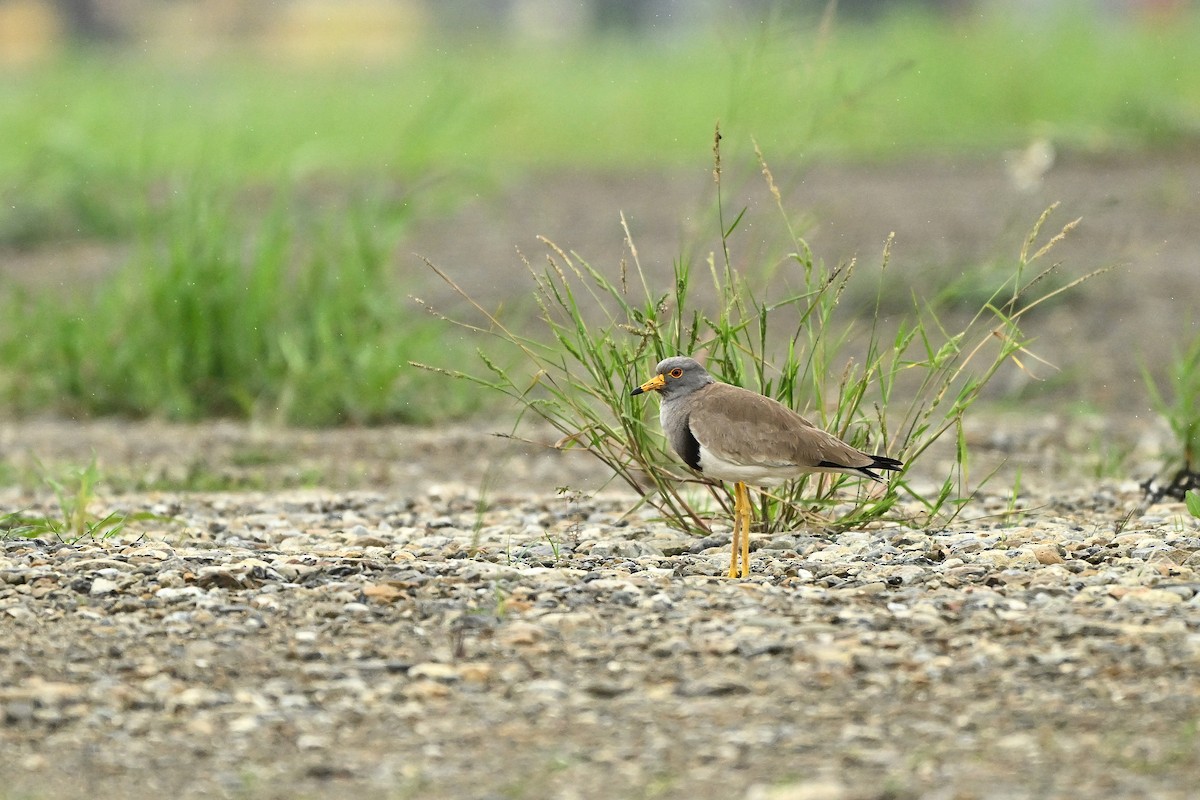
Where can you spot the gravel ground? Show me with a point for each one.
(390, 635)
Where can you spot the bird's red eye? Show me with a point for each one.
(677, 373)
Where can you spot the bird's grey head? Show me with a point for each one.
(676, 377)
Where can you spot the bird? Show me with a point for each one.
(733, 434)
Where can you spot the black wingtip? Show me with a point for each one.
(883, 462)
(880, 462)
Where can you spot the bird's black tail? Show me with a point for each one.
(881, 462)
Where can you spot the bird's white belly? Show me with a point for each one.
(713, 466)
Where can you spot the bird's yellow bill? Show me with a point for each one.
(654, 384)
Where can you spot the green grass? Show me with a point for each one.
(1176, 398)
(222, 313)
(1085, 82)
(895, 387)
(910, 83)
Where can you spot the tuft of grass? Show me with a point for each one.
(1177, 400)
(75, 493)
(896, 388)
(282, 318)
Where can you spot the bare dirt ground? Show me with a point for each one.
(421, 613)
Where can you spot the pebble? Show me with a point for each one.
(1045, 553)
(101, 586)
(432, 670)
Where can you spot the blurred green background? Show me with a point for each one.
(206, 207)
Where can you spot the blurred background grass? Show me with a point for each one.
(910, 81)
(315, 134)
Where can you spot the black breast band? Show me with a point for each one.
(691, 448)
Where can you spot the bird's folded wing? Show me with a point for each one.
(749, 428)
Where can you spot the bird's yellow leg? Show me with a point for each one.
(747, 513)
(737, 529)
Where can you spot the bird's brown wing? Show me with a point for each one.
(748, 428)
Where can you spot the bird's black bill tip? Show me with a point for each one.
(636, 392)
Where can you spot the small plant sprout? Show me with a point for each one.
(1122, 522)
(75, 493)
(554, 546)
(1015, 510)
